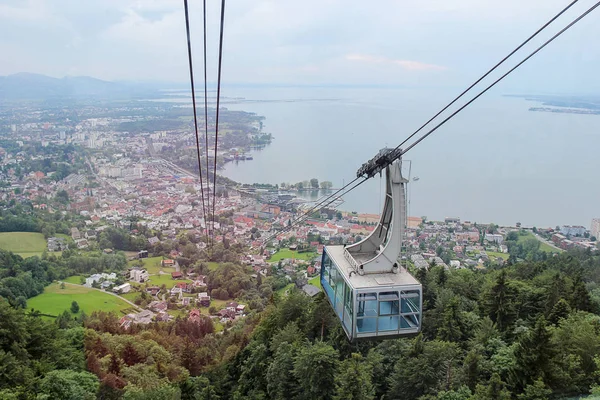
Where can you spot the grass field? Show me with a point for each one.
(283, 291)
(543, 246)
(55, 300)
(157, 280)
(286, 253)
(152, 264)
(25, 244)
(130, 296)
(493, 254)
(316, 281)
(212, 265)
(76, 279)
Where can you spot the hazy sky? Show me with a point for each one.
(418, 43)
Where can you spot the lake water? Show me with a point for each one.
(495, 162)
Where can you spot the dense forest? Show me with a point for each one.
(526, 331)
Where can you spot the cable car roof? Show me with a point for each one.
(402, 278)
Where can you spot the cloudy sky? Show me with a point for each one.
(417, 43)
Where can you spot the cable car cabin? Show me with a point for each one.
(371, 294)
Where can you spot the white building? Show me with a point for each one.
(595, 229)
(99, 277)
(495, 238)
(139, 275)
(124, 288)
(568, 230)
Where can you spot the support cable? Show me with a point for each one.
(189, 48)
(576, 20)
(206, 118)
(217, 116)
(320, 205)
(489, 72)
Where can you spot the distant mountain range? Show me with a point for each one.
(41, 87)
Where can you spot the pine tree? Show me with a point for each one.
(471, 368)
(451, 328)
(494, 390)
(315, 367)
(500, 302)
(353, 380)
(534, 356)
(130, 355)
(536, 391)
(580, 298)
(114, 367)
(556, 291)
(281, 384)
(560, 310)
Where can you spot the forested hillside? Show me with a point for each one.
(527, 331)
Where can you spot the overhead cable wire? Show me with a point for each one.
(189, 48)
(489, 72)
(576, 20)
(311, 210)
(217, 114)
(206, 116)
(459, 110)
(307, 214)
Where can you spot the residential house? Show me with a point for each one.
(124, 288)
(125, 322)
(99, 277)
(137, 274)
(204, 299)
(167, 263)
(57, 244)
(144, 317)
(157, 306)
(162, 316)
(494, 238)
(153, 290)
(106, 284)
(75, 233)
(311, 290)
(184, 287)
(226, 315)
(176, 275)
(194, 315)
(240, 309)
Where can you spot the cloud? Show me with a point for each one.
(405, 64)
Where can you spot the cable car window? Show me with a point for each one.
(389, 323)
(366, 325)
(348, 305)
(366, 313)
(388, 303)
(367, 305)
(409, 322)
(411, 301)
(332, 276)
(326, 280)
